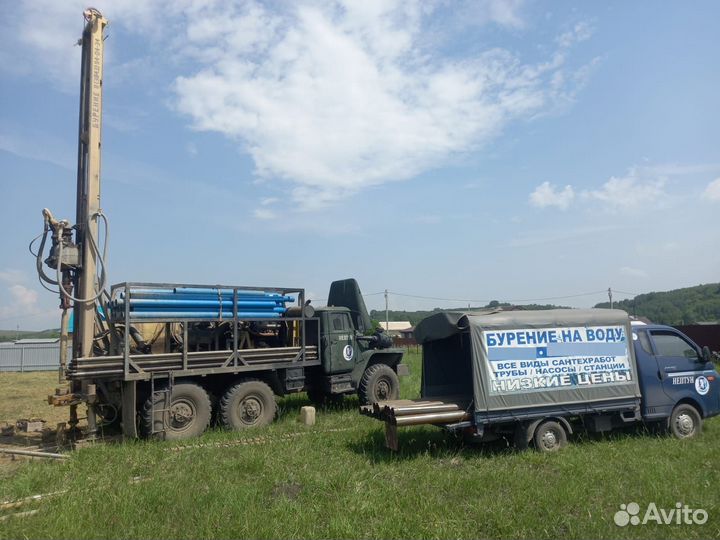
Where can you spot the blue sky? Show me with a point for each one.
(469, 150)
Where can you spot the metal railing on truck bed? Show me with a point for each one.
(181, 305)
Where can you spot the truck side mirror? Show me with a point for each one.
(707, 354)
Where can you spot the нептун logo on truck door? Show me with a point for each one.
(522, 360)
(702, 385)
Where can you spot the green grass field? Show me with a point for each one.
(336, 480)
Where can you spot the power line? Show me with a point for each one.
(627, 293)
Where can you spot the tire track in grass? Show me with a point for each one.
(263, 439)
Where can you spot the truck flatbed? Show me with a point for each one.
(142, 366)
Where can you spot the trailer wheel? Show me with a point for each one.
(550, 436)
(248, 404)
(685, 421)
(378, 383)
(187, 414)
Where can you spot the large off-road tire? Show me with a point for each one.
(685, 422)
(378, 383)
(248, 404)
(187, 414)
(550, 436)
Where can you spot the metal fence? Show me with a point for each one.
(30, 356)
(703, 334)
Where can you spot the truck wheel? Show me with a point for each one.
(378, 383)
(685, 421)
(248, 404)
(550, 436)
(186, 416)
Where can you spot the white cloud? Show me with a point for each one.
(18, 140)
(264, 213)
(633, 272)
(10, 275)
(24, 297)
(712, 191)
(630, 191)
(504, 13)
(335, 98)
(39, 37)
(331, 97)
(581, 31)
(547, 195)
(19, 300)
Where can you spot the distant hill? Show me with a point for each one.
(416, 316)
(12, 335)
(690, 305)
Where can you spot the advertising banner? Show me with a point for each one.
(539, 359)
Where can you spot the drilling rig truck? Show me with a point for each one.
(162, 359)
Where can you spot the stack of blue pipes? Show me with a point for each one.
(199, 303)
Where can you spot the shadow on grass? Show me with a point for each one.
(414, 443)
(632, 432)
(426, 441)
(291, 405)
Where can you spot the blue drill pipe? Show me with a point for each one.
(277, 309)
(202, 315)
(158, 303)
(142, 294)
(197, 290)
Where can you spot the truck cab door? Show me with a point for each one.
(679, 363)
(342, 350)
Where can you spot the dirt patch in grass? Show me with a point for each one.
(24, 395)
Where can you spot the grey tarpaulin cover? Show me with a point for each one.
(517, 359)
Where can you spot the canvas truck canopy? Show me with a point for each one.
(519, 359)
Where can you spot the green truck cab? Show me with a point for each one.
(353, 361)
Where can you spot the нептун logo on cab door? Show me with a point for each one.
(702, 385)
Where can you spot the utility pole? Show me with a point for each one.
(610, 296)
(387, 318)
